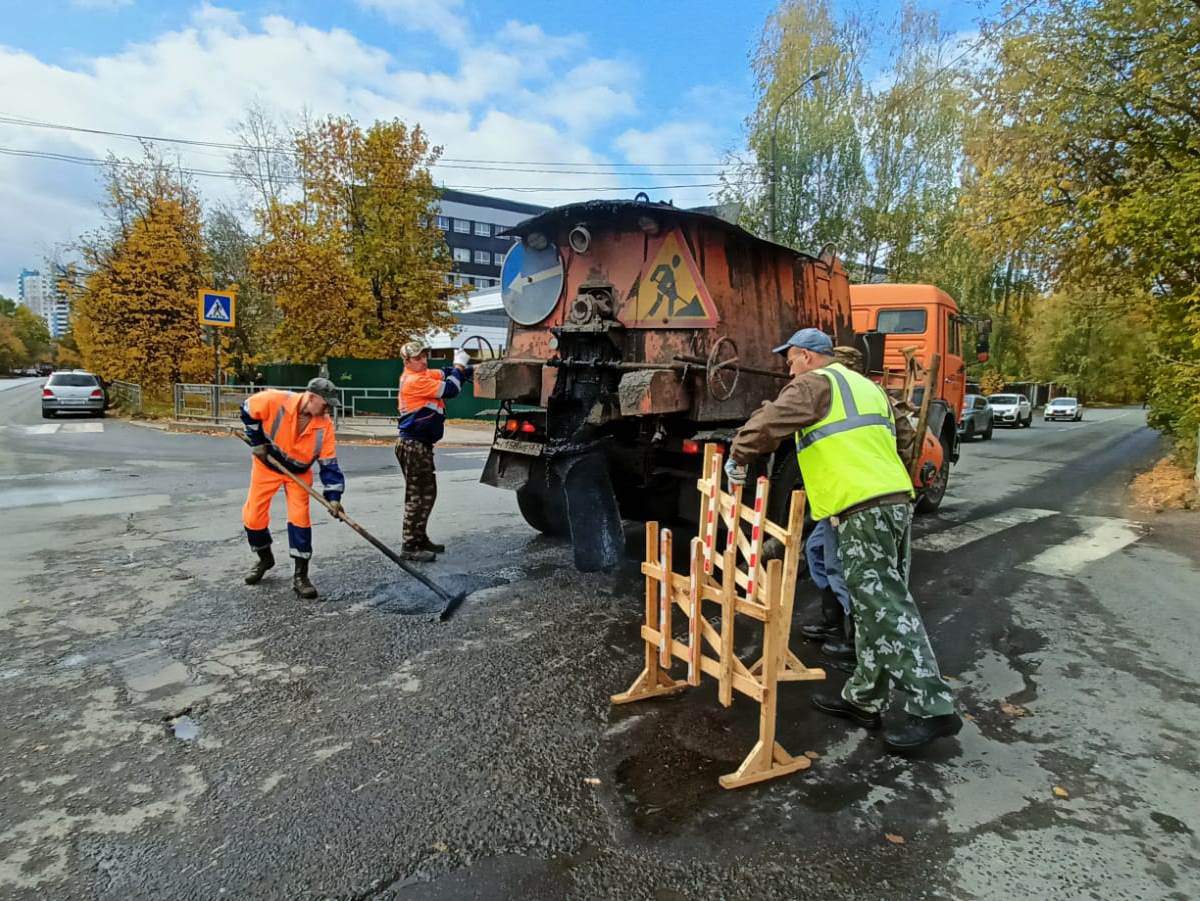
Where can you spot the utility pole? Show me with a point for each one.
(820, 73)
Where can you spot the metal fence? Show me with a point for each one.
(127, 394)
(222, 404)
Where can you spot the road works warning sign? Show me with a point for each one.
(670, 292)
(218, 308)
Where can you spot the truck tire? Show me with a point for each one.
(931, 498)
(542, 505)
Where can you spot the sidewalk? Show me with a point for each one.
(458, 432)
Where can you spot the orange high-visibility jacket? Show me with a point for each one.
(270, 418)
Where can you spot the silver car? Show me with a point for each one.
(1011, 409)
(77, 391)
(1068, 408)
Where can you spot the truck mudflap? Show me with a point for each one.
(597, 536)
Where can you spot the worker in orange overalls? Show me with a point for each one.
(296, 431)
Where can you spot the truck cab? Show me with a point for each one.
(918, 321)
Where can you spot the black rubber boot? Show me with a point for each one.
(841, 647)
(830, 624)
(919, 731)
(265, 561)
(427, 545)
(416, 553)
(300, 584)
(836, 705)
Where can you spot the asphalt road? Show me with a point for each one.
(168, 732)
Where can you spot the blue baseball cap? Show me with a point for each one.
(808, 339)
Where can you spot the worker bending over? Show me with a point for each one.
(294, 430)
(422, 405)
(845, 436)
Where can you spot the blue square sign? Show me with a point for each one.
(218, 308)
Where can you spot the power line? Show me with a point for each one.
(446, 162)
(97, 162)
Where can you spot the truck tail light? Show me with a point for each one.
(46, 392)
(510, 426)
(690, 446)
(528, 428)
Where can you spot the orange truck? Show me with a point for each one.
(915, 323)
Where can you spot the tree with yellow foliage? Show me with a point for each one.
(134, 317)
(356, 264)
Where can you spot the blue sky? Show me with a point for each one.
(664, 83)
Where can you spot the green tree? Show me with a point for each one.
(31, 330)
(230, 246)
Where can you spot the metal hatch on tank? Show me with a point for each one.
(657, 340)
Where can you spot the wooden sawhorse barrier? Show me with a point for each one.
(737, 582)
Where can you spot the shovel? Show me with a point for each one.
(452, 601)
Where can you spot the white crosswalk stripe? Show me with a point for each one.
(1100, 538)
(965, 533)
(65, 428)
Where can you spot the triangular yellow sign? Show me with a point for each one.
(670, 292)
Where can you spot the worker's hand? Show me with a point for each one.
(462, 359)
(335, 507)
(736, 471)
(261, 451)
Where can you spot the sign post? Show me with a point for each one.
(217, 309)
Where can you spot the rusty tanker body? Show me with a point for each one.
(638, 332)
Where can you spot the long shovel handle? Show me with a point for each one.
(383, 548)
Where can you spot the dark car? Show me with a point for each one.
(76, 391)
(976, 418)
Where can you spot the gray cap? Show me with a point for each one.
(325, 389)
(808, 339)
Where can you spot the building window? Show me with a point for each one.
(483, 229)
(443, 222)
(483, 257)
(462, 226)
(499, 258)
(462, 255)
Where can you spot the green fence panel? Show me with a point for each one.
(288, 374)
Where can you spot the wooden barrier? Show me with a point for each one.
(737, 582)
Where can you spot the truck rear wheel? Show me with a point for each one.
(542, 505)
(931, 497)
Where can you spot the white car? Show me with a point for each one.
(1011, 409)
(1068, 408)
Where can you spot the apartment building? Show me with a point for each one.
(471, 222)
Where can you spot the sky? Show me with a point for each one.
(659, 87)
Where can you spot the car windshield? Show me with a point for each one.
(1063, 402)
(72, 380)
(1004, 399)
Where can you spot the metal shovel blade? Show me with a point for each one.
(597, 536)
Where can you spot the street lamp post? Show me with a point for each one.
(820, 73)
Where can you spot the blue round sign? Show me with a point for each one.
(531, 282)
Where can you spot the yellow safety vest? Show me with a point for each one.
(850, 456)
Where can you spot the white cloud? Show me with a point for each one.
(441, 17)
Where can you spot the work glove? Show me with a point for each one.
(462, 359)
(335, 507)
(261, 451)
(735, 471)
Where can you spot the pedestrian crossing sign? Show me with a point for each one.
(670, 292)
(218, 308)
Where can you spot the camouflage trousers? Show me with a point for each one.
(420, 487)
(890, 637)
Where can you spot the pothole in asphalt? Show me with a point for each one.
(408, 597)
(184, 727)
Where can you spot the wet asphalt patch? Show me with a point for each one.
(408, 597)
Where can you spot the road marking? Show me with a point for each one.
(65, 428)
(1101, 538)
(472, 455)
(90, 427)
(48, 429)
(965, 533)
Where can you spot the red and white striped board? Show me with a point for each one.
(756, 536)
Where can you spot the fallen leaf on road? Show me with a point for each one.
(812, 755)
(967, 716)
(893, 838)
(591, 780)
(441, 846)
(1060, 792)
(1013, 709)
(41, 747)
